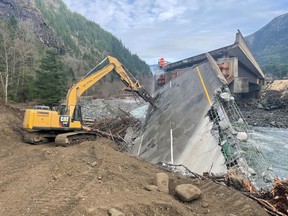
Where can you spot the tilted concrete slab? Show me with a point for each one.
(183, 104)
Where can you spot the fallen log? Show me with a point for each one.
(264, 203)
(103, 133)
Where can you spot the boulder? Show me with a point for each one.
(162, 182)
(187, 192)
(151, 188)
(115, 212)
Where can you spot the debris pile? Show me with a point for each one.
(275, 201)
(271, 109)
(279, 195)
(112, 118)
(115, 128)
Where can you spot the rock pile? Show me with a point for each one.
(271, 109)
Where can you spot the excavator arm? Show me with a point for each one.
(95, 75)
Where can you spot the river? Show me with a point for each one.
(273, 142)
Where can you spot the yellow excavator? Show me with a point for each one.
(64, 125)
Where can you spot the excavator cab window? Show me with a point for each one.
(41, 107)
(62, 109)
(77, 115)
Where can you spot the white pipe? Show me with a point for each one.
(171, 139)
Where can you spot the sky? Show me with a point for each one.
(178, 29)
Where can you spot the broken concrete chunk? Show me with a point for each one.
(187, 192)
(240, 121)
(242, 136)
(223, 125)
(115, 212)
(151, 188)
(162, 182)
(225, 96)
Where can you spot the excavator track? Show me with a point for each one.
(36, 138)
(72, 138)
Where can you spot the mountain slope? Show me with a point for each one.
(87, 39)
(30, 27)
(270, 44)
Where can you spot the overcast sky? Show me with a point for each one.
(177, 29)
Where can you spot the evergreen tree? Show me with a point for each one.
(51, 79)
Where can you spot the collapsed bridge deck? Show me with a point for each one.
(179, 130)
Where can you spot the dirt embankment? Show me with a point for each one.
(93, 177)
(271, 109)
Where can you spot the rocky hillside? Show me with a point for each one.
(26, 13)
(54, 25)
(36, 26)
(270, 46)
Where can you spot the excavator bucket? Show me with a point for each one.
(146, 96)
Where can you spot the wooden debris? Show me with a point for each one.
(173, 168)
(275, 201)
(113, 128)
(280, 195)
(239, 181)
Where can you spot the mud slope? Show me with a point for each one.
(90, 178)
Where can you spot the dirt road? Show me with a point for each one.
(91, 178)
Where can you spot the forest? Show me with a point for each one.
(44, 48)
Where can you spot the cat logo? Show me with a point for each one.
(64, 121)
(64, 118)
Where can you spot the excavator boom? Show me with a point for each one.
(95, 75)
